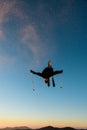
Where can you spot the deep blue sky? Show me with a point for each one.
(31, 33)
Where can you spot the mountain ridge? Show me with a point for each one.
(42, 128)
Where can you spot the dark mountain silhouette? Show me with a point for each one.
(55, 128)
(48, 128)
(43, 128)
(17, 128)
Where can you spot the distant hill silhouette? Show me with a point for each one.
(17, 128)
(55, 128)
(43, 128)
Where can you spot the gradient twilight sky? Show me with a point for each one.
(31, 33)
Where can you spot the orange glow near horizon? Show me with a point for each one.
(37, 124)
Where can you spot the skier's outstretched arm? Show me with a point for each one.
(57, 72)
(37, 73)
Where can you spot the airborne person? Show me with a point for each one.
(47, 73)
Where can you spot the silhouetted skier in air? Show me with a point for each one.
(47, 73)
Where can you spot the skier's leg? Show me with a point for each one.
(53, 82)
(48, 82)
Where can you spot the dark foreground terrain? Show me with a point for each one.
(43, 128)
